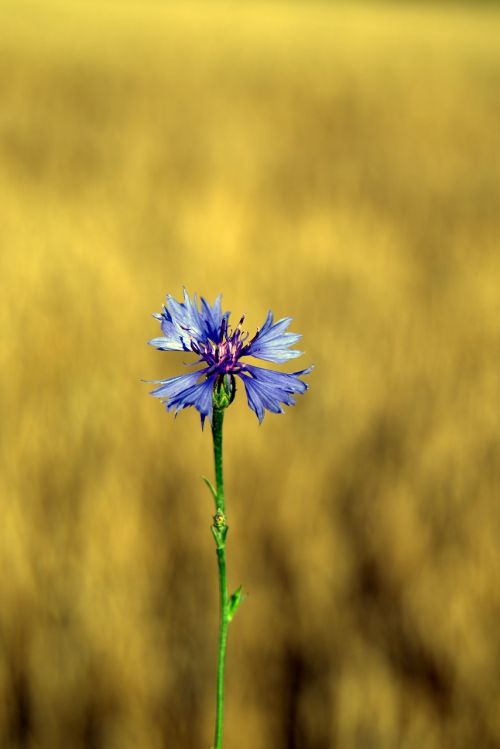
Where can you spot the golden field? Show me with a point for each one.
(336, 163)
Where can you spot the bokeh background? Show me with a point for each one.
(338, 163)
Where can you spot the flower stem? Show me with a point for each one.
(217, 422)
(219, 530)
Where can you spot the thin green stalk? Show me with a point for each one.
(219, 530)
(224, 624)
(217, 422)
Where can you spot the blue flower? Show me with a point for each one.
(204, 330)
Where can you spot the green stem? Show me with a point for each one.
(217, 422)
(219, 531)
(224, 623)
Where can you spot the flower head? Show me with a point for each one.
(204, 330)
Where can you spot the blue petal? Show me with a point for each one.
(172, 387)
(267, 389)
(176, 337)
(183, 324)
(271, 342)
(212, 318)
(168, 343)
(185, 316)
(198, 395)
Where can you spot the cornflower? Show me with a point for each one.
(204, 330)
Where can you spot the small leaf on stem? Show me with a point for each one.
(211, 487)
(234, 602)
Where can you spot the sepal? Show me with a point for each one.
(224, 391)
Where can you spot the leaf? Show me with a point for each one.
(219, 535)
(234, 602)
(211, 487)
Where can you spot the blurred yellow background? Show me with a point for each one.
(338, 163)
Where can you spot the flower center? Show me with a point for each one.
(223, 357)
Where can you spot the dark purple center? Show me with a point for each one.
(223, 357)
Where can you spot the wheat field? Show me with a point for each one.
(338, 163)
